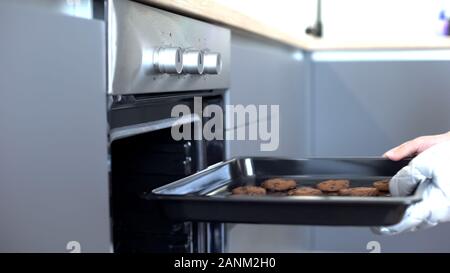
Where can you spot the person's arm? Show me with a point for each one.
(431, 162)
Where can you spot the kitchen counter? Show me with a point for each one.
(406, 43)
(216, 13)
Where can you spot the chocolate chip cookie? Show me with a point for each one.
(382, 185)
(248, 190)
(279, 184)
(333, 185)
(359, 191)
(305, 191)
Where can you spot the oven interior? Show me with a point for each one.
(144, 161)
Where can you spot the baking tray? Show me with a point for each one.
(205, 196)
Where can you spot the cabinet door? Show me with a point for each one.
(54, 193)
(364, 108)
(265, 73)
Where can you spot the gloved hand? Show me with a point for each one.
(432, 163)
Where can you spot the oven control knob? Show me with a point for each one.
(168, 60)
(193, 61)
(212, 62)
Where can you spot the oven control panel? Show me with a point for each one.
(152, 51)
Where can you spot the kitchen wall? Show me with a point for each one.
(382, 19)
(350, 20)
(291, 17)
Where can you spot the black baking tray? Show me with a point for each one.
(205, 196)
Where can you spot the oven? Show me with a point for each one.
(158, 61)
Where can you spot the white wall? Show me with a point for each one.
(387, 19)
(349, 19)
(290, 16)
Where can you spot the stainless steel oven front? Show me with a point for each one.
(156, 61)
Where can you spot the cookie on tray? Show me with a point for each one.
(249, 190)
(382, 185)
(333, 185)
(279, 184)
(359, 191)
(305, 191)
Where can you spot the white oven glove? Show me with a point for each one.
(432, 164)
